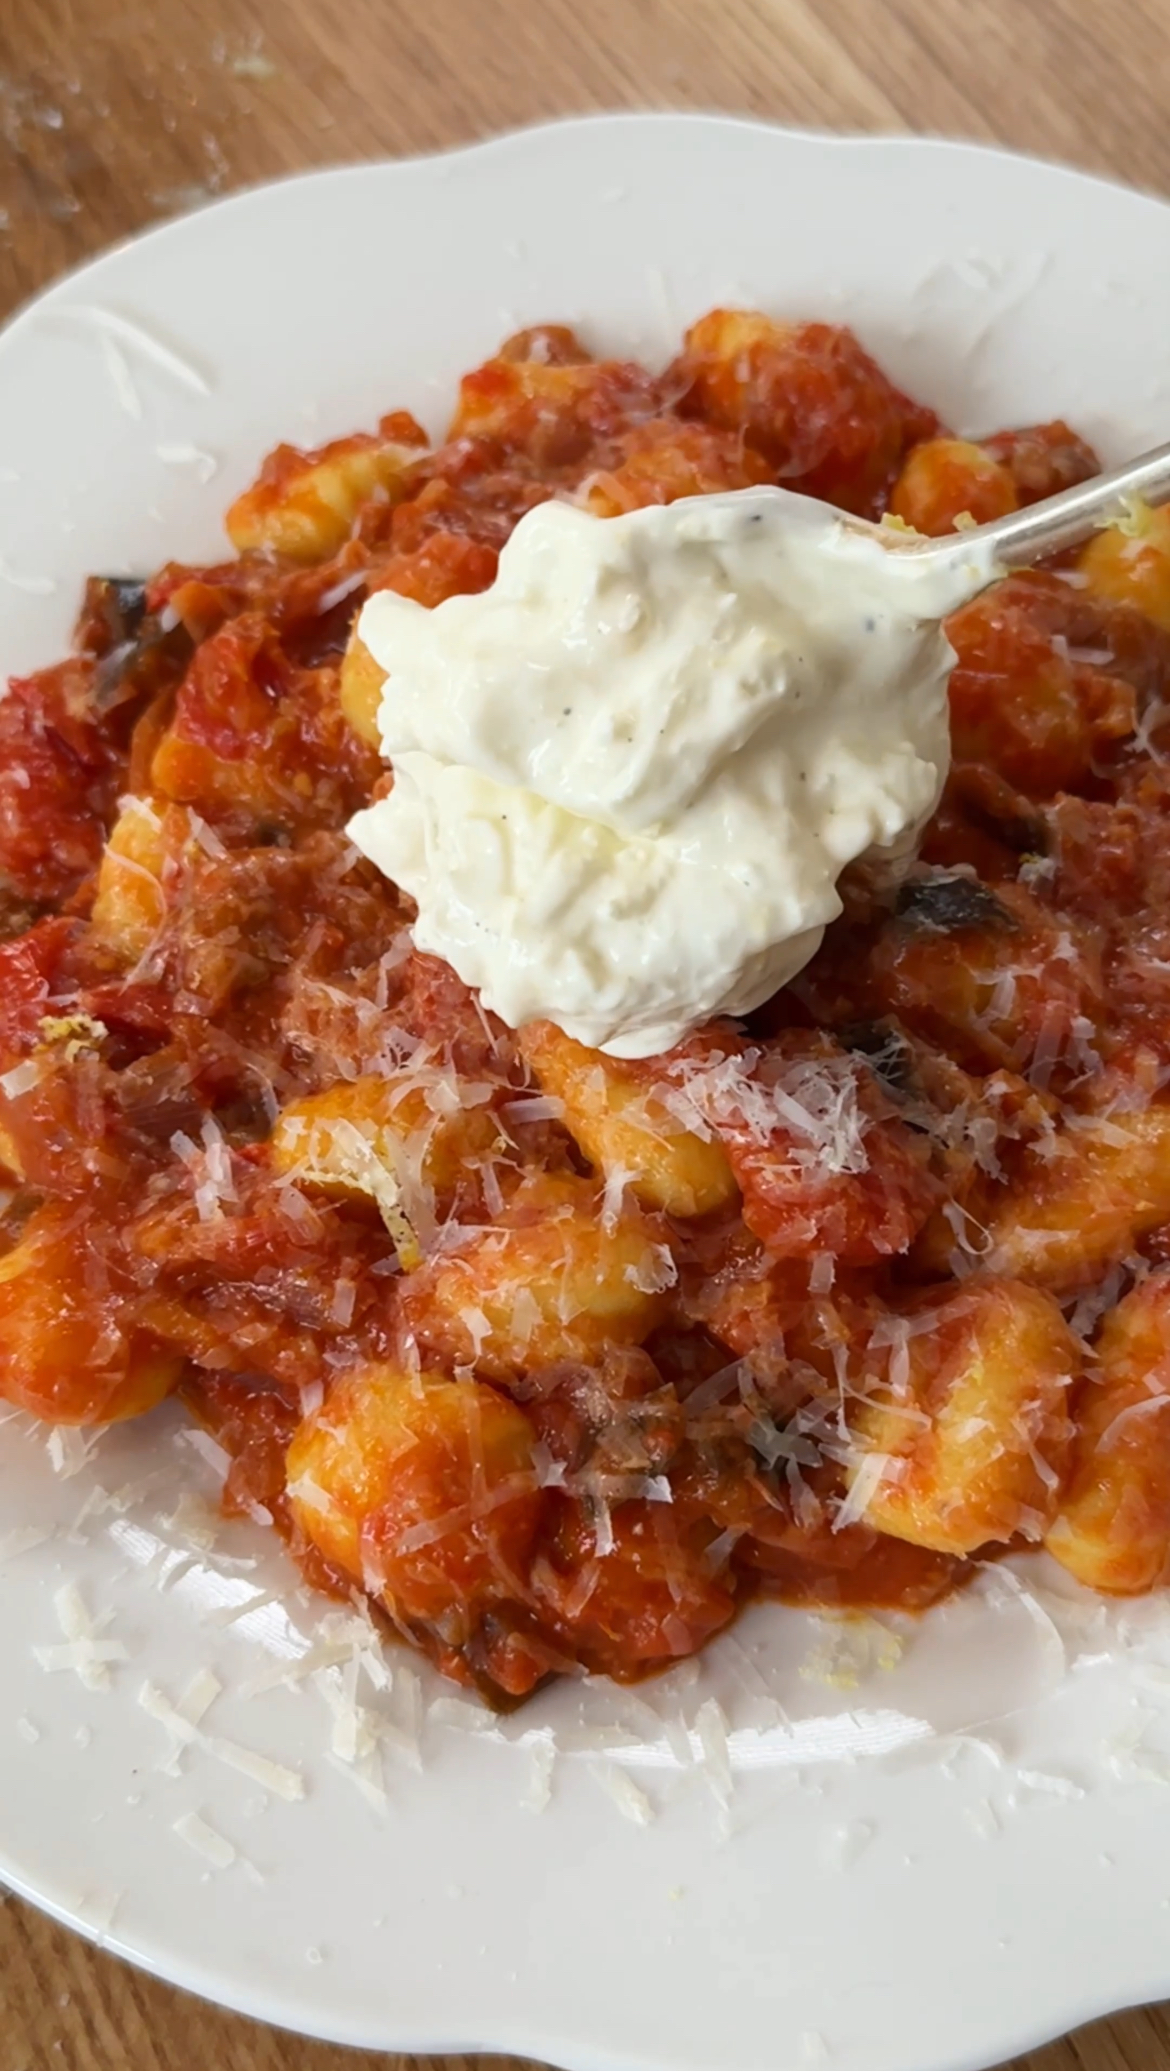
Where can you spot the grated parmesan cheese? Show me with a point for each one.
(274, 1777)
(122, 330)
(338, 592)
(613, 1197)
(84, 1652)
(117, 367)
(181, 1720)
(630, 1799)
(711, 1727)
(204, 464)
(871, 1472)
(207, 1447)
(543, 1758)
(193, 1520)
(1049, 1784)
(536, 1107)
(231, 1614)
(21, 1079)
(194, 1830)
(655, 1273)
(465, 1718)
(844, 1844)
(341, 1307)
(99, 1908)
(90, 1660)
(22, 1539)
(1134, 1412)
(69, 1449)
(983, 1819)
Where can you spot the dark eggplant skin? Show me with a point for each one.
(115, 605)
(886, 1051)
(134, 654)
(949, 905)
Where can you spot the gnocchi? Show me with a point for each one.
(1083, 1199)
(967, 1444)
(421, 1489)
(560, 1358)
(303, 505)
(556, 1276)
(1130, 564)
(627, 1130)
(1112, 1530)
(51, 1364)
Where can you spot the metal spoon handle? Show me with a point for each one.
(1022, 537)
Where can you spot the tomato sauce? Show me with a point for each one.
(260, 1150)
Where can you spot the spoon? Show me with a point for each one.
(1064, 520)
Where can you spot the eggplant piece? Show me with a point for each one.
(990, 806)
(135, 655)
(948, 905)
(1025, 834)
(139, 669)
(886, 1050)
(112, 612)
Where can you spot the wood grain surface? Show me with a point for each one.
(114, 115)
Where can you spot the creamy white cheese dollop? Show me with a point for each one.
(628, 776)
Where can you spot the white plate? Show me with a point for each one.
(919, 1866)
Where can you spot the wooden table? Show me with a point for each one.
(112, 117)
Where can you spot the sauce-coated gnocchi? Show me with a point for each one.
(559, 1358)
